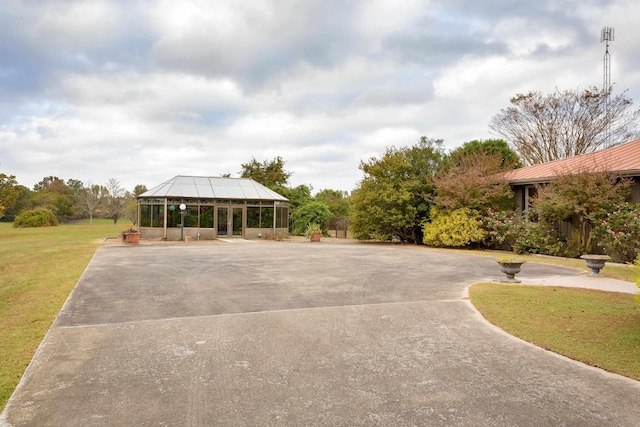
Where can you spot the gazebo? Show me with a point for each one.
(213, 207)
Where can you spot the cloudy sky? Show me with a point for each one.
(143, 90)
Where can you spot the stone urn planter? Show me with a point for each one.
(595, 263)
(131, 236)
(511, 268)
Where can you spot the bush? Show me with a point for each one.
(35, 218)
(310, 213)
(459, 228)
(637, 268)
(539, 238)
(618, 232)
(502, 229)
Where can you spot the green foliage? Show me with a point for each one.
(313, 212)
(35, 218)
(390, 200)
(509, 159)
(539, 238)
(311, 230)
(271, 174)
(139, 189)
(618, 232)
(577, 200)
(9, 192)
(297, 196)
(458, 228)
(337, 201)
(502, 227)
(637, 270)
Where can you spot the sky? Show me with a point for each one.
(142, 90)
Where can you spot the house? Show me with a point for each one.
(211, 207)
(623, 160)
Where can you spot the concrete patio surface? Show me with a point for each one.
(299, 333)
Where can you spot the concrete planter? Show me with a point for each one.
(511, 268)
(595, 263)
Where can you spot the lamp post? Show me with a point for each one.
(182, 208)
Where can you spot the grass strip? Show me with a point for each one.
(598, 328)
(38, 269)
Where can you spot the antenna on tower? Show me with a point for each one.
(607, 35)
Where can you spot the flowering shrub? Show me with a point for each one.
(502, 228)
(618, 231)
(458, 228)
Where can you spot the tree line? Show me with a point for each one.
(68, 200)
(423, 194)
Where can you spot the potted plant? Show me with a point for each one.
(510, 267)
(131, 235)
(313, 233)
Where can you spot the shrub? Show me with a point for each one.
(311, 212)
(458, 228)
(539, 238)
(502, 228)
(35, 218)
(637, 268)
(618, 232)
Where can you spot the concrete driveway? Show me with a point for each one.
(299, 334)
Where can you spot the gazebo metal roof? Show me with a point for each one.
(208, 187)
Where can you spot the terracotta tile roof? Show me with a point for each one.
(623, 159)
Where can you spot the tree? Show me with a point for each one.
(9, 192)
(139, 189)
(492, 147)
(90, 198)
(473, 181)
(271, 174)
(337, 201)
(116, 200)
(297, 196)
(566, 123)
(52, 184)
(389, 202)
(52, 193)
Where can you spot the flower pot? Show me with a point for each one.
(511, 268)
(315, 237)
(131, 238)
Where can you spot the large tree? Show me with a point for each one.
(546, 127)
(271, 173)
(389, 202)
(9, 192)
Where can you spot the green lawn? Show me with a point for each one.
(38, 269)
(595, 327)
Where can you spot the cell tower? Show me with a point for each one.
(607, 35)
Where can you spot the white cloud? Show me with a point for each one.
(89, 87)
